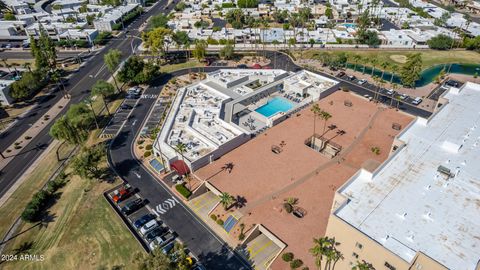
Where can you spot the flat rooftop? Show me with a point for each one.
(264, 179)
(444, 220)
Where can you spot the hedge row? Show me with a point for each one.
(183, 190)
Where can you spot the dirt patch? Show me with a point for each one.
(402, 59)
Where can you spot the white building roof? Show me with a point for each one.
(407, 205)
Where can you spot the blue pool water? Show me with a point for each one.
(350, 25)
(274, 106)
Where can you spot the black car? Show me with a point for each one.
(143, 220)
(452, 83)
(341, 74)
(132, 206)
(125, 107)
(155, 233)
(242, 66)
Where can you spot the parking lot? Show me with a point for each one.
(155, 116)
(119, 118)
(261, 251)
(134, 218)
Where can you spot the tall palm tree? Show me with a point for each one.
(394, 87)
(356, 58)
(89, 101)
(28, 65)
(226, 200)
(316, 112)
(6, 64)
(325, 116)
(393, 68)
(363, 266)
(319, 250)
(384, 65)
(374, 63)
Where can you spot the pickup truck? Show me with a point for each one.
(162, 240)
(123, 193)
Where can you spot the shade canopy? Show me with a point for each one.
(180, 167)
(257, 66)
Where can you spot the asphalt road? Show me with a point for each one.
(26, 54)
(199, 239)
(79, 86)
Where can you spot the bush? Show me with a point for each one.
(220, 222)
(288, 207)
(183, 190)
(102, 38)
(27, 137)
(147, 154)
(228, 5)
(296, 263)
(148, 147)
(140, 142)
(241, 236)
(440, 42)
(214, 217)
(35, 207)
(305, 268)
(140, 147)
(17, 147)
(287, 256)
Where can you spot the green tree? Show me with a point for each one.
(329, 13)
(236, 18)
(247, 3)
(86, 164)
(79, 116)
(112, 59)
(64, 131)
(325, 248)
(410, 71)
(316, 110)
(374, 62)
(200, 50)
(440, 42)
(156, 260)
(226, 200)
(30, 83)
(9, 16)
(105, 90)
(227, 52)
(442, 20)
(43, 50)
(154, 40)
(363, 266)
(369, 38)
(280, 16)
(136, 71)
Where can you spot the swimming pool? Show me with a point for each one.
(273, 106)
(350, 25)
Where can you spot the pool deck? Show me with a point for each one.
(265, 179)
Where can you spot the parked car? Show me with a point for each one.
(148, 227)
(132, 206)
(132, 96)
(242, 66)
(341, 74)
(199, 266)
(390, 92)
(154, 233)
(125, 107)
(123, 193)
(452, 83)
(166, 249)
(417, 101)
(362, 81)
(143, 220)
(402, 96)
(162, 240)
(352, 78)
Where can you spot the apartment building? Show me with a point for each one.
(420, 209)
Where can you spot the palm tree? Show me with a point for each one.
(356, 58)
(226, 200)
(316, 112)
(384, 65)
(363, 266)
(319, 250)
(325, 116)
(57, 78)
(393, 68)
(376, 81)
(89, 101)
(6, 64)
(374, 63)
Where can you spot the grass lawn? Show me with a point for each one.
(174, 67)
(13, 207)
(84, 232)
(430, 57)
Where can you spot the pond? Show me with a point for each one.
(426, 76)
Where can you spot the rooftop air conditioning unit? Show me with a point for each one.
(445, 171)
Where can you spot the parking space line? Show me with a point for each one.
(269, 243)
(198, 207)
(269, 259)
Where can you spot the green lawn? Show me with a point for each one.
(85, 232)
(13, 207)
(430, 57)
(174, 67)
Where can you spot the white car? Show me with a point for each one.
(148, 226)
(362, 81)
(403, 96)
(417, 101)
(390, 92)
